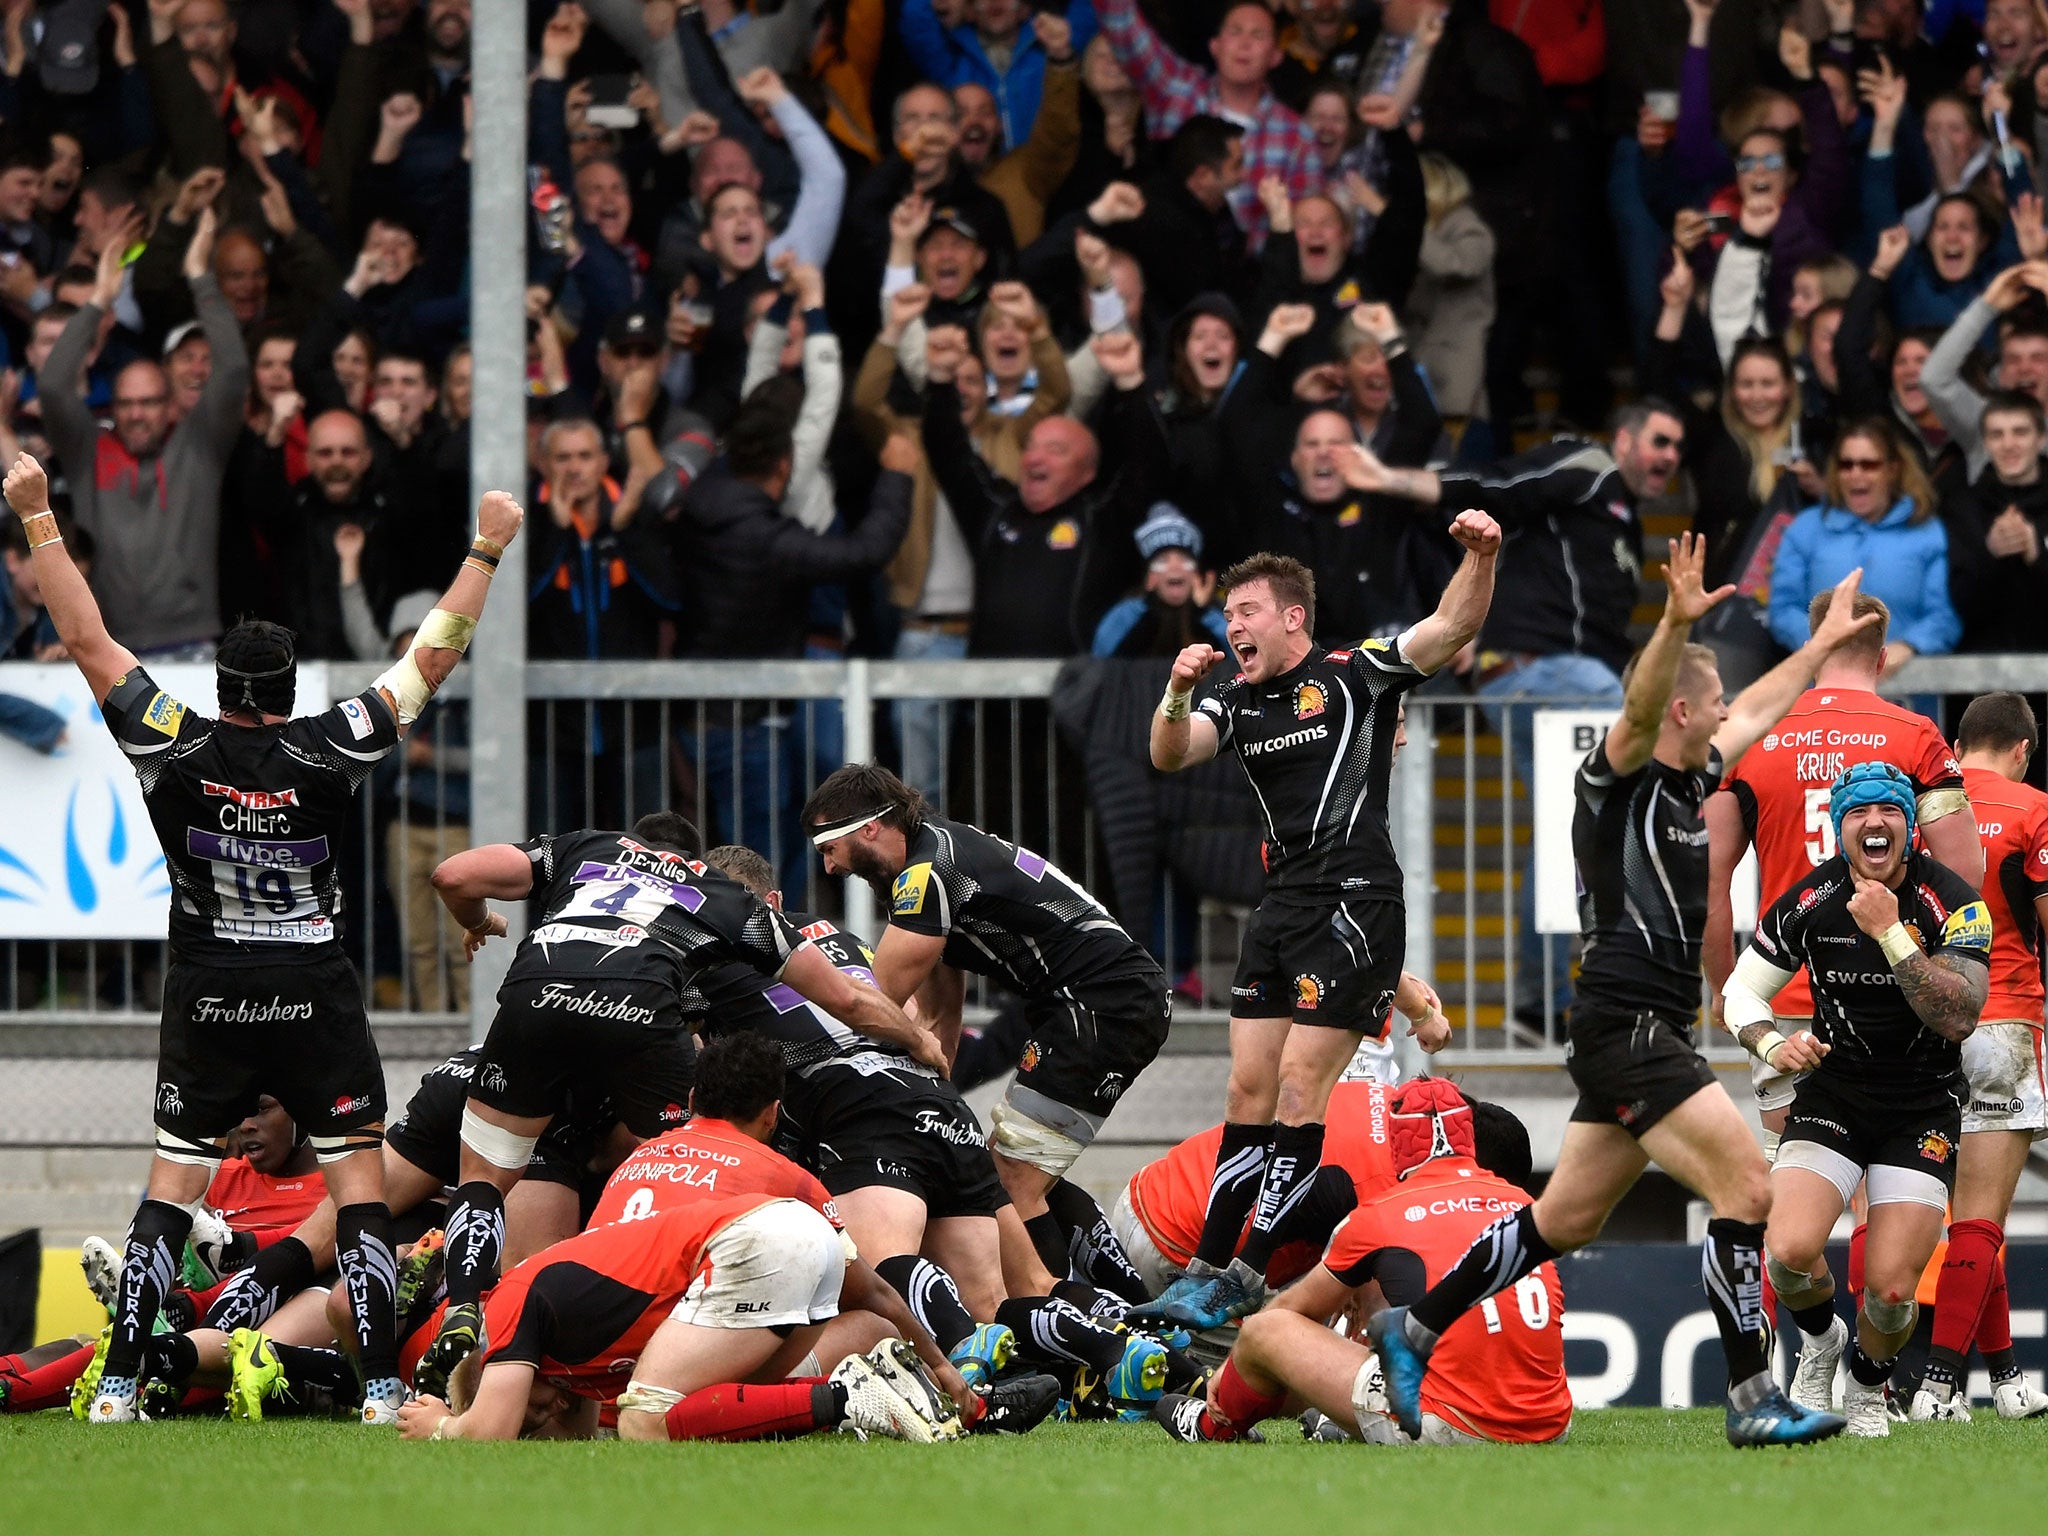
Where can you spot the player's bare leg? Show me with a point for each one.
(496, 1147)
(917, 1258)
(538, 1214)
(1970, 1305)
(1024, 1271)
(1804, 1208)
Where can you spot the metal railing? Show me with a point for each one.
(739, 745)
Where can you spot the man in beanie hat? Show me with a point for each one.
(1175, 609)
(257, 996)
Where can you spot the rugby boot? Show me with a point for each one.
(420, 1271)
(983, 1353)
(1018, 1404)
(1932, 1407)
(1140, 1376)
(1864, 1408)
(1235, 1292)
(1813, 1383)
(1318, 1425)
(255, 1375)
(102, 1265)
(1171, 1305)
(1403, 1365)
(461, 1327)
(1777, 1420)
(873, 1407)
(2016, 1400)
(896, 1362)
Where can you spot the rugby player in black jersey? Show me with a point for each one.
(593, 996)
(961, 900)
(1639, 840)
(910, 1171)
(257, 995)
(1898, 947)
(1315, 730)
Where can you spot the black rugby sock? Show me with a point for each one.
(1053, 1331)
(1869, 1372)
(1093, 1251)
(1732, 1270)
(369, 1274)
(1049, 1238)
(1498, 1257)
(1816, 1319)
(171, 1357)
(149, 1267)
(1240, 1165)
(324, 1370)
(932, 1297)
(280, 1272)
(1297, 1153)
(475, 1244)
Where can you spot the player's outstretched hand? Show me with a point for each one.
(419, 1418)
(1685, 579)
(1191, 666)
(1874, 907)
(1478, 532)
(474, 939)
(498, 517)
(27, 487)
(1801, 1052)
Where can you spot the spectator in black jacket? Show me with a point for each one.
(747, 573)
(1185, 238)
(299, 522)
(1996, 575)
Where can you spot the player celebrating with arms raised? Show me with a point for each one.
(1883, 1105)
(251, 808)
(1315, 731)
(1645, 1094)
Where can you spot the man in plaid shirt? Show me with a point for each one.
(1246, 50)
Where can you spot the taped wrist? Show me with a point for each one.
(1175, 706)
(1897, 944)
(440, 630)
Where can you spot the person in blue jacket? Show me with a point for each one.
(1879, 514)
(989, 44)
(1175, 609)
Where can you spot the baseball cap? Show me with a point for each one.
(180, 334)
(409, 612)
(1167, 527)
(951, 218)
(68, 58)
(630, 330)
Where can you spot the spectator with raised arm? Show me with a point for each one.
(993, 48)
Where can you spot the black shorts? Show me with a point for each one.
(428, 1134)
(897, 1131)
(1336, 966)
(295, 1031)
(1632, 1070)
(555, 1036)
(1086, 1060)
(1924, 1136)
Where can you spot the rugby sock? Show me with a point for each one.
(1815, 1320)
(1235, 1406)
(1871, 1373)
(1233, 1188)
(1054, 1331)
(180, 1312)
(475, 1243)
(149, 1266)
(47, 1385)
(1498, 1257)
(1331, 1197)
(1994, 1330)
(280, 1272)
(320, 1370)
(1100, 1305)
(1943, 1373)
(1856, 1240)
(1050, 1239)
(172, 1357)
(1297, 1153)
(1964, 1289)
(1093, 1251)
(362, 1249)
(932, 1297)
(740, 1411)
(1732, 1270)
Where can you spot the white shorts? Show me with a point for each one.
(2008, 1091)
(778, 1266)
(1883, 1183)
(1369, 1409)
(1153, 1267)
(1774, 1089)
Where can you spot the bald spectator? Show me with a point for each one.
(300, 522)
(150, 491)
(1053, 551)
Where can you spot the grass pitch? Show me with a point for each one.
(1625, 1471)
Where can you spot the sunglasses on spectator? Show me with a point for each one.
(1664, 440)
(1770, 162)
(1871, 465)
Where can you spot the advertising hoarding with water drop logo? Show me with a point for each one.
(78, 856)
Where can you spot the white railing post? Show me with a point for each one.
(857, 703)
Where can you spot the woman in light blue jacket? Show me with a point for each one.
(1879, 514)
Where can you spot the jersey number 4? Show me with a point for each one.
(1532, 1300)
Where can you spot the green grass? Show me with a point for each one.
(1624, 1471)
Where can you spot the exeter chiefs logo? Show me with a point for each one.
(1309, 700)
(1308, 991)
(1935, 1147)
(169, 1100)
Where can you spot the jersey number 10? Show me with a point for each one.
(1532, 1300)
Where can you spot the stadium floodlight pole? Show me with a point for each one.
(497, 451)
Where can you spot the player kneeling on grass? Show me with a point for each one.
(1498, 1373)
(699, 1314)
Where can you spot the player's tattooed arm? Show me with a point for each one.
(1945, 990)
(1750, 1034)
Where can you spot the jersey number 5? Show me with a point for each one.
(1820, 847)
(1532, 1300)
